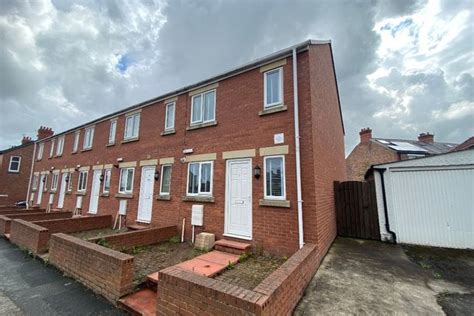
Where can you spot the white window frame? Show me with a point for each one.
(34, 183)
(112, 131)
(199, 179)
(60, 146)
(51, 150)
(75, 146)
(201, 121)
(271, 197)
(280, 102)
(84, 177)
(54, 181)
(10, 164)
(120, 181)
(107, 177)
(45, 185)
(88, 133)
(132, 118)
(69, 182)
(173, 104)
(161, 179)
(40, 151)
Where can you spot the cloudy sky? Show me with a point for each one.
(403, 67)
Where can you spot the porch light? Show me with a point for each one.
(157, 175)
(257, 171)
(51, 170)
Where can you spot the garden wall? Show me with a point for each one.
(22, 211)
(5, 221)
(123, 241)
(184, 292)
(35, 236)
(105, 271)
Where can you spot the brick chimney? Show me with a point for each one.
(426, 137)
(26, 140)
(365, 135)
(44, 132)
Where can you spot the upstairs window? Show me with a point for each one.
(54, 182)
(51, 151)
(126, 180)
(40, 151)
(132, 126)
(169, 116)
(82, 181)
(275, 177)
(203, 107)
(107, 174)
(88, 138)
(60, 146)
(165, 183)
(112, 131)
(14, 165)
(75, 146)
(200, 178)
(273, 87)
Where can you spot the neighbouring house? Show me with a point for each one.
(228, 143)
(15, 169)
(371, 151)
(467, 144)
(427, 201)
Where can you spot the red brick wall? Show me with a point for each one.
(72, 225)
(21, 211)
(29, 217)
(138, 237)
(15, 185)
(29, 235)
(365, 155)
(184, 292)
(105, 271)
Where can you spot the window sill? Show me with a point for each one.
(204, 199)
(68, 193)
(163, 197)
(124, 196)
(15, 172)
(80, 193)
(274, 203)
(110, 145)
(104, 194)
(168, 132)
(74, 152)
(130, 140)
(273, 109)
(202, 125)
(58, 156)
(53, 191)
(86, 149)
(33, 190)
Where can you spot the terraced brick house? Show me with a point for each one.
(258, 146)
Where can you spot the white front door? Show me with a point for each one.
(95, 192)
(238, 214)
(40, 189)
(62, 191)
(145, 203)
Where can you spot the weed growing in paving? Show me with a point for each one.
(174, 240)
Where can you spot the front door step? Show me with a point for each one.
(231, 246)
(142, 302)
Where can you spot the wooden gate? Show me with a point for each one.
(356, 209)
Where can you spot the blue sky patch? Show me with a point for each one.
(123, 63)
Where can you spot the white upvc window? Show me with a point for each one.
(69, 181)
(34, 184)
(126, 180)
(203, 107)
(88, 138)
(275, 177)
(75, 146)
(273, 88)
(60, 146)
(45, 181)
(165, 182)
(107, 175)
(51, 150)
(112, 131)
(200, 178)
(40, 151)
(169, 116)
(132, 126)
(14, 165)
(82, 181)
(54, 181)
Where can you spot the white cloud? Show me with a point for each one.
(463, 109)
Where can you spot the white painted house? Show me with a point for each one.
(427, 201)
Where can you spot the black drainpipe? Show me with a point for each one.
(384, 197)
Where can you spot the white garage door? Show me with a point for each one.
(433, 207)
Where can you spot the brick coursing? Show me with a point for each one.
(5, 221)
(7, 212)
(30, 236)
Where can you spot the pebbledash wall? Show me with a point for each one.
(242, 130)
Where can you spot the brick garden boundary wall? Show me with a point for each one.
(137, 238)
(22, 211)
(105, 271)
(183, 292)
(35, 236)
(5, 221)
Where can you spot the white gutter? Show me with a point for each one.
(31, 175)
(297, 149)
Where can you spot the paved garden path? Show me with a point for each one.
(30, 287)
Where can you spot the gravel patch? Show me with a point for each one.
(97, 233)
